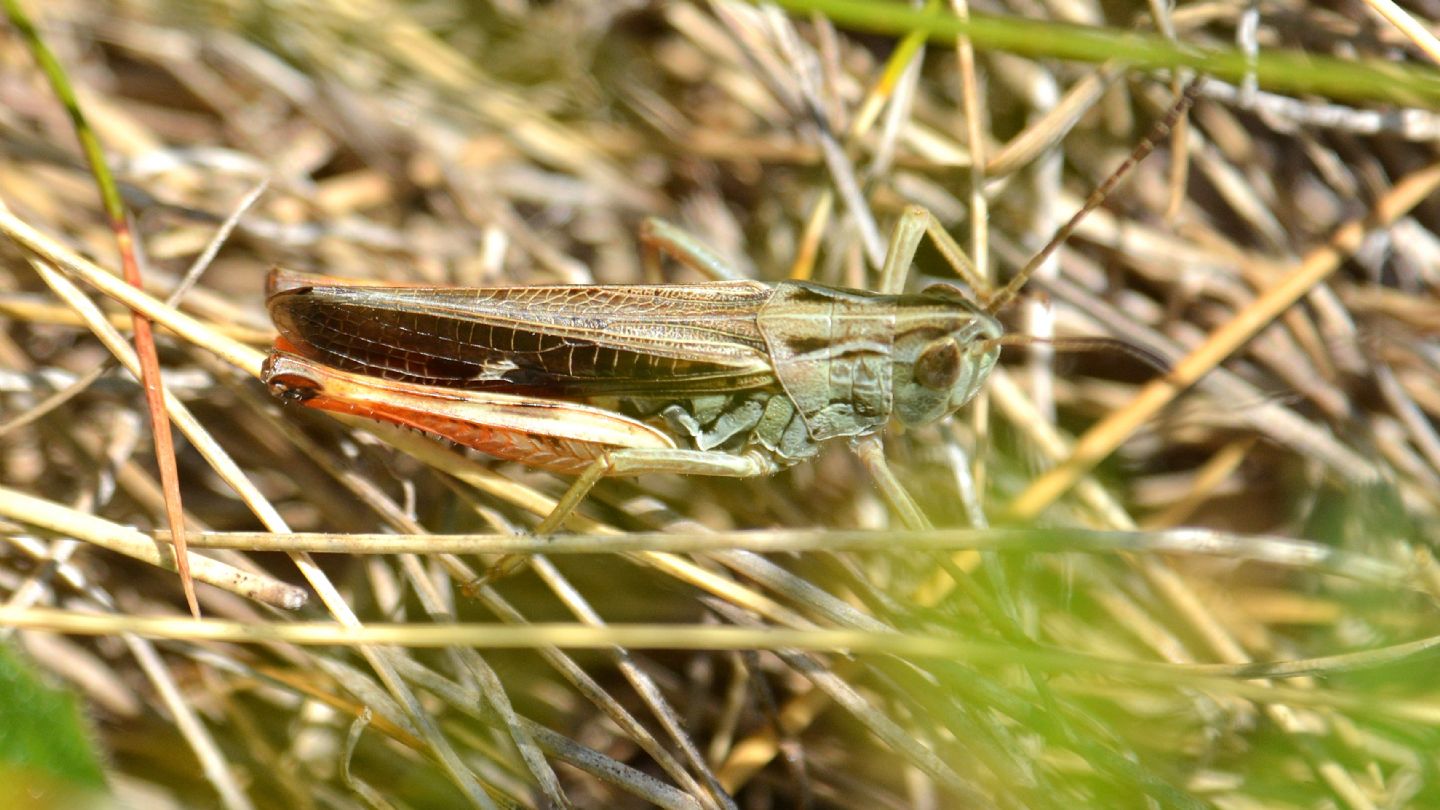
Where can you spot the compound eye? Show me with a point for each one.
(938, 366)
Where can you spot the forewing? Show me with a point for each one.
(640, 339)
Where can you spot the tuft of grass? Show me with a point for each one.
(1211, 586)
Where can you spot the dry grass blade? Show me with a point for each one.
(1106, 436)
(1222, 595)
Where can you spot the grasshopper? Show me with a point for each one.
(725, 378)
(730, 378)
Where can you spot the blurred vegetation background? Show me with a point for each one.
(1281, 509)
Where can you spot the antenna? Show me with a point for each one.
(1006, 294)
(1150, 358)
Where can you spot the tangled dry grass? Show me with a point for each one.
(1085, 652)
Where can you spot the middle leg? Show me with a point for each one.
(915, 223)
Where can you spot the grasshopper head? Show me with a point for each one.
(942, 356)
